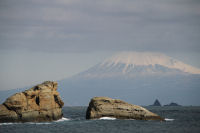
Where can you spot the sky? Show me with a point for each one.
(55, 39)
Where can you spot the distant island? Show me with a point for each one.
(172, 104)
(156, 103)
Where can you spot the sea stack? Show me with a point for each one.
(107, 107)
(156, 103)
(37, 104)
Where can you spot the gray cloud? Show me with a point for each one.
(92, 25)
(52, 39)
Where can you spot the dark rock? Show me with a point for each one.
(172, 104)
(156, 103)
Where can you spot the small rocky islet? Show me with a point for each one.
(108, 107)
(43, 103)
(37, 104)
(157, 103)
(172, 104)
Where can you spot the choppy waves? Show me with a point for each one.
(67, 119)
(112, 118)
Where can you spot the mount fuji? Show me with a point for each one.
(131, 64)
(137, 77)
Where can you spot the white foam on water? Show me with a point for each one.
(107, 118)
(167, 119)
(37, 123)
(62, 119)
(41, 123)
(7, 123)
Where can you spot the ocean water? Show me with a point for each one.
(178, 120)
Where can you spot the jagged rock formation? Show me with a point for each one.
(107, 107)
(156, 103)
(40, 103)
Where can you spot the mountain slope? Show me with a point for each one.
(134, 63)
(138, 78)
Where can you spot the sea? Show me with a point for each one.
(179, 119)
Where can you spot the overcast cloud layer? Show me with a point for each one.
(53, 39)
(92, 25)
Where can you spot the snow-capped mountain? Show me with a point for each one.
(132, 64)
(138, 78)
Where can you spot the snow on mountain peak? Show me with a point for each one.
(146, 59)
